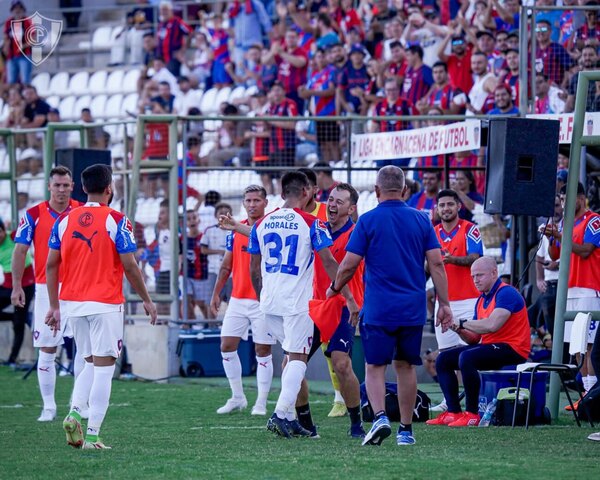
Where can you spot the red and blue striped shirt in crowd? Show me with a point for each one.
(417, 82)
(261, 144)
(442, 97)
(171, 34)
(400, 107)
(354, 77)
(422, 202)
(429, 161)
(586, 33)
(398, 69)
(320, 81)
(197, 263)
(291, 77)
(267, 77)
(553, 61)
(219, 44)
(512, 81)
(305, 40)
(283, 138)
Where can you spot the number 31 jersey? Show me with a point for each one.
(287, 239)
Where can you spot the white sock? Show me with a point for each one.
(82, 388)
(99, 397)
(233, 370)
(46, 372)
(264, 377)
(290, 386)
(338, 397)
(78, 365)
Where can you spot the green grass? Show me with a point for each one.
(172, 431)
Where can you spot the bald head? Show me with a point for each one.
(390, 180)
(484, 273)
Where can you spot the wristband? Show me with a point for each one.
(461, 323)
(332, 287)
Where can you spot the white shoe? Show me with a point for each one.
(441, 407)
(47, 415)
(259, 410)
(595, 437)
(233, 404)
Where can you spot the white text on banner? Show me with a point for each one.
(591, 124)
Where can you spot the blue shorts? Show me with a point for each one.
(384, 344)
(341, 341)
(219, 74)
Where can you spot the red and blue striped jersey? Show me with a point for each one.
(171, 35)
(282, 138)
(291, 77)
(417, 82)
(197, 262)
(512, 81)
(442, 97)
(400, 107)
(422, 202)
(554, 61)
(323, 80)
(219, 44)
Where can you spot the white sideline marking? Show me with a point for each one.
(17, 405)
(229, 428)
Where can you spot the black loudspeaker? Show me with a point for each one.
(77, 160)
(520, 178)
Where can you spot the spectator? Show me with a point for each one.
(459, 60)
(186, 97)
(327, 34)
(138, 23)
(588, 61)
(393, 33)
(36, 110)
(20, 314)
(306, 149)
(250, 69)
(426, 199)
(325, 181)
(392, 105)
(394, 68)
(192, 160)
(547, 99)
(165, 258)
(550, 17)
(292, 64)
(486, 44)
(484, 84)
(394, 310)
(550, 57)
(172, 37)
(380, 15)
(424, 30)
(503, 103)
(95, 135)
(501, 320)
(164, 102)
(222, 66)
(430, 160)
(163, 74)
(197, 270)
(441, 94)
(508, 15)
(232, 142)
(354, 83)
(16, 108)
(17, 47)
(418, 78)
(250, 23)
(511, 77)
(464, 186)
(588, 33)
(201, 64)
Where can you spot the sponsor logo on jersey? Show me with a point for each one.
(595, 225)
(474, 234)
(82, 237)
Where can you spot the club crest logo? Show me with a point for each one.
(37, 33)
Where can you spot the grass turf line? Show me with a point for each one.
(172, 431)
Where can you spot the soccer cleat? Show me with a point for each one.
(47, 415)
(468, 419)
(73, 430)
(445, 418)
(357, 431)
(259, 410)
(279, 426)
(405, 438)
(439, 408)
(595, 437)
(338, 410)
(313, 433)
(233, 404)
(96, 445)
(298, 430)
(380, 430)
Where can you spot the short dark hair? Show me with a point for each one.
(417, 50)
(323, 167)
(436, 171)
(440, 64)
(96, 178)
(60, 170)
(293, 182)
(255, 188)
(350, 189)
(2, 227)
(395, 44)
(310, 174)
(193, 141)
(580, 189)
(448, 193)
(86, 110)
(164, 203)
(221, 205)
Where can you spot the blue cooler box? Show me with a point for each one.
(494, 380)
(200, 354)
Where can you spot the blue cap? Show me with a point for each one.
(357, 48)
(562, 175)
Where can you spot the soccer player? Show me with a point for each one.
(243, 311)
(461, 245)
(34, 228)
(282, 245)
(94, 245)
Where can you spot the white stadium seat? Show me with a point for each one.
(101, 39)
(130, 81)
(41, 82)
(66, 108)
(97, 106)
(129, 105)
(222, 97)
(209, 104)
(97, 83)
(59, 84)
(237, 93)
(114, 82)
(78, 85)
(113, 106)
(53, 101)
(81, 103)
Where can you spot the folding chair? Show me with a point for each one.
(577, 344)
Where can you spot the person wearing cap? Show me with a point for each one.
(550, 57)
(250, 23)
(583, 293)
(423, 29)
(503, 103)
(459, 60)
(486, 43)
(512, 39)
(354, 83)
(16, 47)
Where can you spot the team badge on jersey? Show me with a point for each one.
(85, 219)
(595, 225)
(474, 234)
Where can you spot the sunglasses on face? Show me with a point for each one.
(541, 29)
(457, 42)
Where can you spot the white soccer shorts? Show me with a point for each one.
(294, 332)
(584, 304)
(43, 335)
(460, 309)
(100, 335)
(243, 313)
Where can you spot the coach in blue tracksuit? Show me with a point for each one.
(395, 240)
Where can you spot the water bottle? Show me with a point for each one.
(486, 419)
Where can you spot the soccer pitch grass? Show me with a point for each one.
(172, 431)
